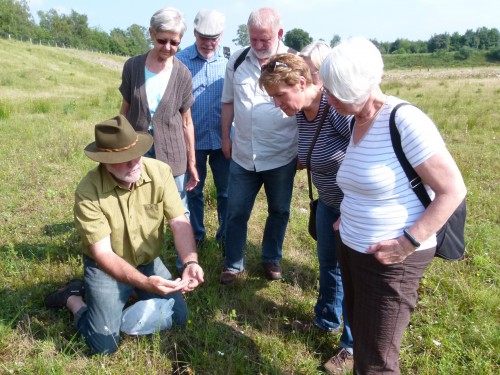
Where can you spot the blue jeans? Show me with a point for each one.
(220, 172)
(243, 188)
(99, 322)
(329, 306)
(180, 182)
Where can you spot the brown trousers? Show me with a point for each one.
(378, 301)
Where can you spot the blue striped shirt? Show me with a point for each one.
(328, 152)
(208, 80)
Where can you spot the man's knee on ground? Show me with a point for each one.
(103, 344)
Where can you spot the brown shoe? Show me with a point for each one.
(272, 271)
(310, 327)
(228, 277)
(340, 363)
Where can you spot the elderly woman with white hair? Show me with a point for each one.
(387, 237)
(157, 97)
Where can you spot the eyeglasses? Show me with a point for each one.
(271, 67)
(173, 43)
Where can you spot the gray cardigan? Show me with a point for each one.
(169, 142)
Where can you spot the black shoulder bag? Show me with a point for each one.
(450, 238)
(313, 203)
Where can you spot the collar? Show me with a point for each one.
(193, 53)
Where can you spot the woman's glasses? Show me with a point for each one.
(272, 66)
(173, 43)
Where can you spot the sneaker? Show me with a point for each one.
(308, 327)
(59, 298)
(228, 277)
(340, 363)
(272, 271)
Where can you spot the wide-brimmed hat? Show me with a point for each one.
(116, 141)
(209, 23)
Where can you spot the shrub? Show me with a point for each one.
(5, 111)
(464, 53)
(493, 55)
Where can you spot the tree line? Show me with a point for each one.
(483, 39)
(72, 30)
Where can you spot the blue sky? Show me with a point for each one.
(384, 20)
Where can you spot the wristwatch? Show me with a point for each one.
(188, 263)
(412, 239)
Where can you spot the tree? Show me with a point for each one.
(335, 40)
(439, 42)
(470, 39)
(139, 40)
(57, 26)
(119, 41)
(402, 46)
(243, 38)
(456, 41)
(15, 18)
(297, 39)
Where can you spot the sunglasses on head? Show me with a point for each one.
(173, 43)
(271, 67)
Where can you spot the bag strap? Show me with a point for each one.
(240, 58)
(416, 183)
(313, 142)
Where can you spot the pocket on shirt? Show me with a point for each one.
(153, 214)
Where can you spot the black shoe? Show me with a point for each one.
(59, 298)
(272, 271)
(228, 277)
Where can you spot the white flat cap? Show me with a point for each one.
(209, 23)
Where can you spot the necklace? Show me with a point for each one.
(371, 118)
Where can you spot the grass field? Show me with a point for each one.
(50, 100)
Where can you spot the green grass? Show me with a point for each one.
(424, 61)
(50, 100)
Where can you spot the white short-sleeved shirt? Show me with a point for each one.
(264, 136)
(378, 201)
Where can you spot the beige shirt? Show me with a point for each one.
(133, 218)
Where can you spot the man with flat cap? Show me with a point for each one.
(120, 211)
(207, 61)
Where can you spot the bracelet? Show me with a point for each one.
(190, 262)
(412, 239)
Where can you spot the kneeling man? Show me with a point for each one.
(120, 210)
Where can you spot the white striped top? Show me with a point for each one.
(378, 202)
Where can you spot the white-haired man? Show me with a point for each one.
(263, 149)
